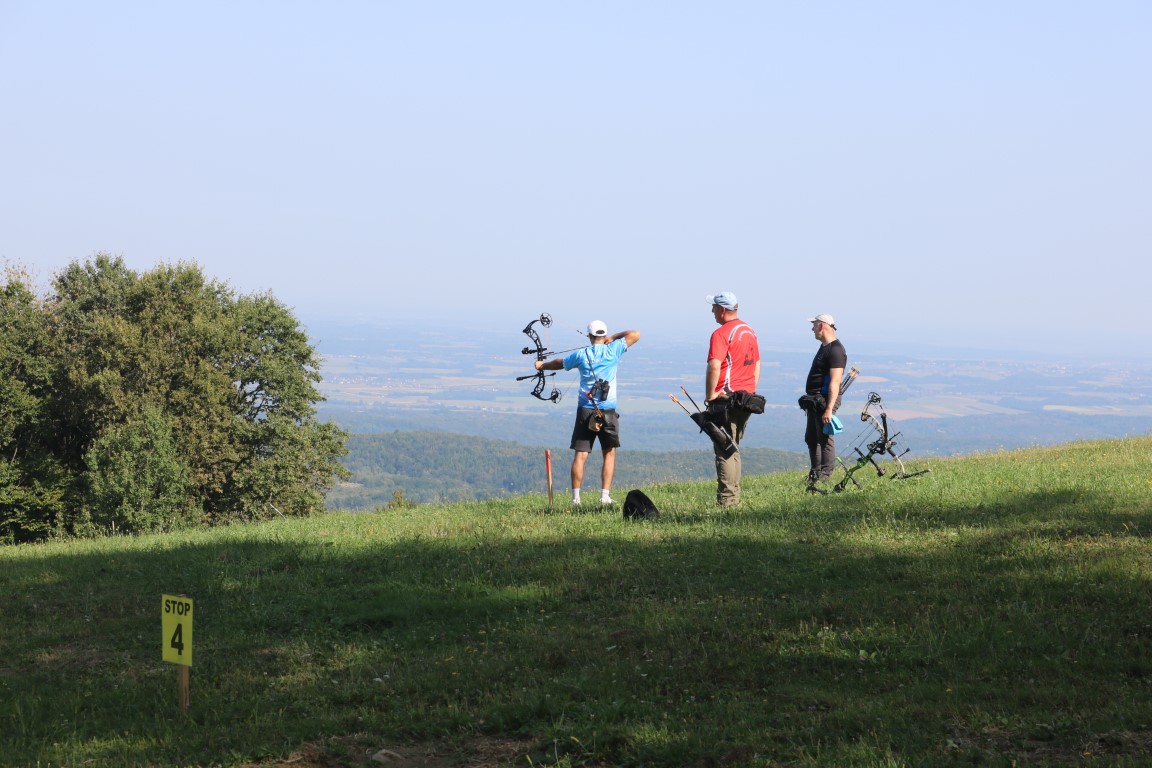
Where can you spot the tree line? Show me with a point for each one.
(151, 401)
(427, 466)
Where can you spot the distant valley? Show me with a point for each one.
(464, 384)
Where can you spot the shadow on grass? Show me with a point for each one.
(954, 634)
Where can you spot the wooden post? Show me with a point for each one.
(548, 464)
(183, 684)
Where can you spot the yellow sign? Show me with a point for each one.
(176, 626)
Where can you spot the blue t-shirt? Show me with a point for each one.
(598, 361)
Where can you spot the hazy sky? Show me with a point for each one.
(936, 175)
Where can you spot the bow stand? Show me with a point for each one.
(883, 445)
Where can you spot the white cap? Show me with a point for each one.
(825, 318)
(597, 328)
(727, 299)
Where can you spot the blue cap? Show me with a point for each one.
(727, 299)
(833, 427)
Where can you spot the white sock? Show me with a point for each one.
(605, 495)
(575, 495)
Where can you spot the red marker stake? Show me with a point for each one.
(548, 464)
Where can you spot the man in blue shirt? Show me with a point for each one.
(596, 415)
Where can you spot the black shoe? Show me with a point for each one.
(813, 479)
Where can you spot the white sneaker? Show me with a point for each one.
(605, 500)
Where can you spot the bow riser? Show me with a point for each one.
(541, 353)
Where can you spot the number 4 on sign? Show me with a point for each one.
(176, 625)
(176, 638)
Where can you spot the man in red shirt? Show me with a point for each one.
(733, 366)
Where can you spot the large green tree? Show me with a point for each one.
(171, 399)
(34, 483)
(137, 478)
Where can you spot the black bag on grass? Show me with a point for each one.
(637, 506)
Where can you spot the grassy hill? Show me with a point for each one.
(427, 466)
(997, 612)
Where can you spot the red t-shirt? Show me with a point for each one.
(734, 345)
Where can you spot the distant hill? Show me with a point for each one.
(779, 428)
(464, 382)
(424, 466)
(441, 417)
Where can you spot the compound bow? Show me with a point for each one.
(884, 444)
(541, 353)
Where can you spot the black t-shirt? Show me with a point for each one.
(829, 356)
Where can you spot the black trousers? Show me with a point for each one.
(821, 447)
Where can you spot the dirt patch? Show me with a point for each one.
(997, 743)
(364, 751)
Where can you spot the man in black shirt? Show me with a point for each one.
(822, 393)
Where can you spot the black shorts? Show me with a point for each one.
(583, 437)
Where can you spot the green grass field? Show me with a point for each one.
(996, 612)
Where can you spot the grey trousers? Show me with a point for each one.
(728, 469)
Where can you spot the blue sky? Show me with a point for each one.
(936, 175)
